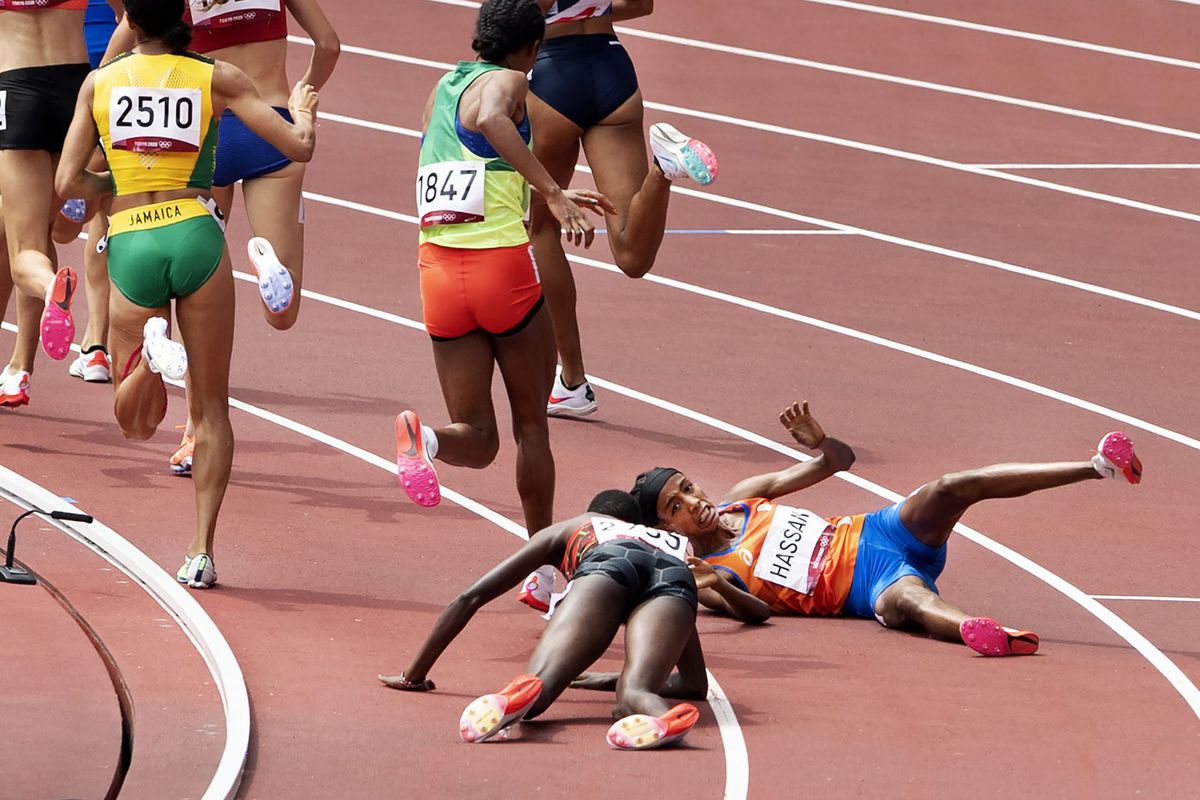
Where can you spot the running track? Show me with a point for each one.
(956, 317)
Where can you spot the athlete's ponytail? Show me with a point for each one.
(507, 26)
(161, 19)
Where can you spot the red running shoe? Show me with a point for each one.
(536, 590)
(414, 468)
(986, 636)
(486, 716)
(14, 388)
(58, 326)
(1115, 456)
(643, 732)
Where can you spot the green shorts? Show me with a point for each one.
(162, 251)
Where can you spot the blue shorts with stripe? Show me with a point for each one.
(887, 552)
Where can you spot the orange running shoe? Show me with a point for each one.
(986, 636)
(486, 716)
(58, 326)
(414, 468)
(643, 732)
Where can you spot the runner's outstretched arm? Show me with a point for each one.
(544, 547)
(804, 428)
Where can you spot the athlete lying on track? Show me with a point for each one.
(883, 564)
(619, 572)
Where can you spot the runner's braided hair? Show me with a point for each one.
(506, 26)
(161, 19)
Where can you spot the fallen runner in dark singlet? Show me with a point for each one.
(620, 573)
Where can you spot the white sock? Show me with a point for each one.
(429, 438)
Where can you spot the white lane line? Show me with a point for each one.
(1085, 166)
(957, 255)
(1166, 667)
(737, 758)
(899, 241)
(838, 141)
(927, 160)
(188, 614)
(754, 305)
(1010, 32)
(875, 76)
(1147, 598)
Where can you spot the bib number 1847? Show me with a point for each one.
(450, 193)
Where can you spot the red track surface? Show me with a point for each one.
(331, 575)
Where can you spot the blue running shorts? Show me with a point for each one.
(887, 552)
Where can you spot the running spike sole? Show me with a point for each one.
(57, 328)
(416, 475)
(486, 716)
(1117, 447)
(644, 732)
(274, 281)
(988, 637)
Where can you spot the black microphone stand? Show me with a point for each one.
(13, 574)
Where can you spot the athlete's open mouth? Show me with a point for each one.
(707, 514)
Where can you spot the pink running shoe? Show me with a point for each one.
(58, 326)
(1115, 456)
(986, 636)
(680, 156)
(643, 732)
(413, 465)
(488, 715)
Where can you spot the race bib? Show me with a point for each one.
(608, 530)
(3, 110)
(232, 12)
(795, 549)
(450, 193)
(147, 120)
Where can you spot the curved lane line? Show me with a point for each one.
(187, 613)
(737, 758)
(852, 72)
(1043, 38)
(870, 338)
(1160, 661)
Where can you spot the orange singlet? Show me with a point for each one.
(791, 559)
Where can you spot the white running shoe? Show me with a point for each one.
(680, 156)
(93, 366)
(14, 388)
(274, 280)
(198, 571)
(564, 402)
(538, 588)
(163, 355)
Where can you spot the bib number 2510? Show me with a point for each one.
(146, 120)
(450, 193)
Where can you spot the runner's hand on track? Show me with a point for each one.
(706, 577)
(405, 685)
(596, 681)
(802, 426)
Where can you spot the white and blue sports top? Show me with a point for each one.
(571, 10)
